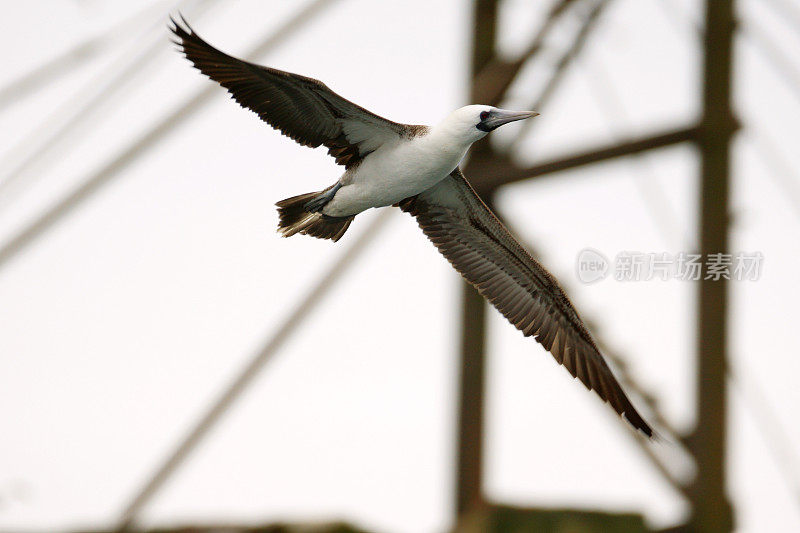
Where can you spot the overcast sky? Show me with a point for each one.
(121, 324)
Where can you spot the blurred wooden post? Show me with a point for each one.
(711, 510)
(469, 462)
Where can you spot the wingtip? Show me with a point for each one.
(185, 22)
(181, 27)
(640, 426)
(172, 24)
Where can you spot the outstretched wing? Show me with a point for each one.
(301, 108)
(477, 244)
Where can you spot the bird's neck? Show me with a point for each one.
(450, 139)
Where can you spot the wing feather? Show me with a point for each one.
(302, 108)
(477, 244)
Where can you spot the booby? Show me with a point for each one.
(415, 168)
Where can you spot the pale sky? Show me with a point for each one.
(121, 324)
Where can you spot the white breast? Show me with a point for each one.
(395, 171)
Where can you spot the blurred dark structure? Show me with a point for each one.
(336, 527)
(489, 169)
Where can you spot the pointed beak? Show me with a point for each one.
(498, 117)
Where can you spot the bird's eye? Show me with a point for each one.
(484, 114)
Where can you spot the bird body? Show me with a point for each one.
(394, 171)
(399, 169)
(401, 166)
(415, 168)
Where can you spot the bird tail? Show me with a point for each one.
(295, 217)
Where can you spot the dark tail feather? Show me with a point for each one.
(295, 218)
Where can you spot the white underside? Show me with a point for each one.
(394, 172)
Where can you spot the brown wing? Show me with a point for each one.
(477, 244)
(301, 108)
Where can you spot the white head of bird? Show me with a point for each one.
(473, 122)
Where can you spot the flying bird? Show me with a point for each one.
(416, 169)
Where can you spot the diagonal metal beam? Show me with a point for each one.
(557, 76)
(73, 57)
(629, 384)
(496, 76)
(56, 132)
(113, 169)
(235, 389)
(611, 103)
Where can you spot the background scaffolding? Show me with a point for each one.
(138, 271)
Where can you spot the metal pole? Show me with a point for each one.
(469, 462)
(711, 510)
